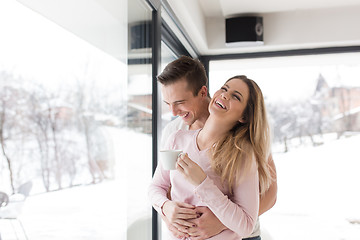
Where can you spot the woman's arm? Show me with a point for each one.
(238, 214)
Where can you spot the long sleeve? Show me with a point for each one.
(239, 214)
(158, 188)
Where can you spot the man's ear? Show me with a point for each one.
(203, 91)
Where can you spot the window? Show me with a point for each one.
(313, 103)
(137, 146)
(75, 107)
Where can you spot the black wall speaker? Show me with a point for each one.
(140, 35)
(244, 31)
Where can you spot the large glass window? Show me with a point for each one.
(137, 146)
(313, 104)
(167, 56)
(75, 118)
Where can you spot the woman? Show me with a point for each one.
(223, 164)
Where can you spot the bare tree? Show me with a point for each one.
(86, 109)
(2, 142)
(41, 132)
(5, 122)
(13, 129)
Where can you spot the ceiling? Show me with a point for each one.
(287, 24)
(224, 8)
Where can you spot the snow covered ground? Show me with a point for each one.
(318, 192)
(318, 197)
(86, 212)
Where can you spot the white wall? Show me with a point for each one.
(282, 30)
(102, 23)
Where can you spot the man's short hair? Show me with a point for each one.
(187, 68)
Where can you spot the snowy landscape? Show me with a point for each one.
(318, 197)
(318, 192)
(89, 94)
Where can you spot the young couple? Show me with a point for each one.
(227, 177)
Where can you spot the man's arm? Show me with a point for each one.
(268, 200)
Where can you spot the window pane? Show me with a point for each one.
(167, 56)
(75, 119)
(313, 104)
(137, 147)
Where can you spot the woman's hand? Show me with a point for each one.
(191, 171)
(177, 213)
(207, 225)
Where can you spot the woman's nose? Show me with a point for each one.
(224, 95)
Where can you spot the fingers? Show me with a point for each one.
(180, 162)
(194, 233)
(175, 230)
(181, 211)
(187, 216)
(183, 164)
(202, 209)
(197, 237)
(186, 211)
(183, 225)
(179, 168)
(185, 158)
(185, 205)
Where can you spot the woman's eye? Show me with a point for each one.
(237, 97)
(224, 89)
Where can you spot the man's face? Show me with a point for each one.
(181, 101)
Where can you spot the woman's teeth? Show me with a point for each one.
(220, 104)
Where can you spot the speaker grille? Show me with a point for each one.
(244, 29)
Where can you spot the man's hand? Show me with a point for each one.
(176, 232)
(207, 225)
(178, 214)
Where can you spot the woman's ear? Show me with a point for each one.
(242, 119)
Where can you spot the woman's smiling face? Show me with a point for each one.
(230, 101)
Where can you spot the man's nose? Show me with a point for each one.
(174, 110)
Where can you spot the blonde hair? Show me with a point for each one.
(246, 143)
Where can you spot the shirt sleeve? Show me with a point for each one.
(159, 186)
(239, 213)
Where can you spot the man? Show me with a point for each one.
(184, 90)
